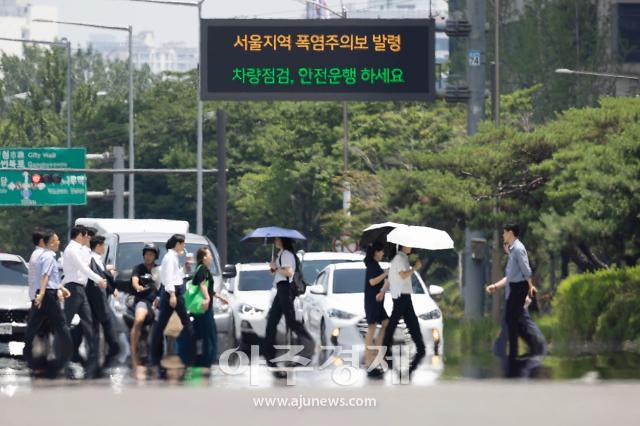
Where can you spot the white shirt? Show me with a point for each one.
(397, 284)
(76, 261)
(98, 258)
(284, 259)
(171, 274)
(33, 265)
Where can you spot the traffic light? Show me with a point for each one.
(36, 178)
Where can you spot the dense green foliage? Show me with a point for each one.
(600, 307)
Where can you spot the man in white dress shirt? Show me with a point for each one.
(76, 261)
(38, 241)
(171, 299)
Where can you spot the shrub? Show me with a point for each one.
(601, 307)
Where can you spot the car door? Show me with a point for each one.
(316, 301)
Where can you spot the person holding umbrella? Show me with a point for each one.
(283, 269)
(374, 288)
(400, 273)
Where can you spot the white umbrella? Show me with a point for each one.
(420, 237)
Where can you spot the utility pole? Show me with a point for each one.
(222, 185)
(475, 244)
(496, 251)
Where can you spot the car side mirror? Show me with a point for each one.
(435, 290)
(317, 289)
(229, 271)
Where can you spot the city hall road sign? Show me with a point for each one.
(336, 59)
(46, 187)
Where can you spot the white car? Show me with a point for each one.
(14, 303)
(314, 262)
(333, 309)
(250, 294)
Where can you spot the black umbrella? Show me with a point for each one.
(377, 232)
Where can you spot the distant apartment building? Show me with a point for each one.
(146, 51)
(16, 22)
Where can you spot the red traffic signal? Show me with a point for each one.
(36, 178)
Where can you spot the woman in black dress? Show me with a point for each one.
(374, 288)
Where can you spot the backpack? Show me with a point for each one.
(299, 286)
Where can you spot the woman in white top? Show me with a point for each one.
(400, 273)
(283, 268)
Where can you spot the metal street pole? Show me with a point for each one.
(67, 44)
(496, 253)
(199, 176)
(346, 196)
(132, 153)
(474, 261)
(69, 115)
(129, 30)
(222, 186)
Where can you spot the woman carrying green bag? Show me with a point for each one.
(198, 299)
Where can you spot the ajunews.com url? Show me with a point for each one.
(301, 402)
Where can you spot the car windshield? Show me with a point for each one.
(130, 254)
(255, 280)
(312, 268)
(13, 272)
(348, 281)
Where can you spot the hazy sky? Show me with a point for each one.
(169, 23)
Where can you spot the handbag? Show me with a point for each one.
(193, 298)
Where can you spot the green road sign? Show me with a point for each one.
(42, 188)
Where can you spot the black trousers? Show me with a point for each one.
(403, 308)
(163, 319)
(528, 330)
(283, 305)
(102, 317)
(51, 311)
(78, 304)
(514, 314)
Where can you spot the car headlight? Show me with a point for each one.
(219, 307)
(435, 314)
(249, 310)
(337, 313)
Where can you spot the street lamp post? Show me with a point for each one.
(199, 174)
(67, 44)
(598, 74)
(129, 30)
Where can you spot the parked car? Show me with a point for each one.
(14, 303)
(333, 309)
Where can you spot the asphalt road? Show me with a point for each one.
(231, 400)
